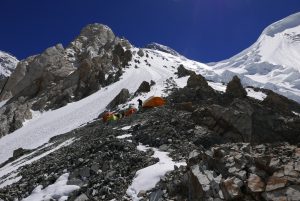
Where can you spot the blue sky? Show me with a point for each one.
(204, 30)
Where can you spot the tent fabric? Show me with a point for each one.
(106, 116)
(154, 101)
(109, 116)
(130, 112)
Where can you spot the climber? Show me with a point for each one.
(140, 103)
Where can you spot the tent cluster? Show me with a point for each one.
(151, 102)
(111, 116)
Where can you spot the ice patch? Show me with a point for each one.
(125, 128)
(295, 113)
(256, 94)
(124, 136)
(217, 86)
(2, 103)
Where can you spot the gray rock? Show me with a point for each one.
(142, 193)
(75, 181)
(95, 168)
(164, 147)
(20, 152)
(230, 189)
(140, 53)
(82, 197)
(84, 172)
(255, 183)
(143, 88)
(156, 195)
(121, 98)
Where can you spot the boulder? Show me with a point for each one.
(195, 184)
(143, 88)
(276, 183)
(121, 98)
(231, 189)
(233, 123)
(156, 195)
(291, 193)
(20, 152)
(141, 53)
(255, 183)
(82, 197)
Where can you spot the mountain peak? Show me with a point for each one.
(162, 48)
(281, 25)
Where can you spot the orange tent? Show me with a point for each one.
(130, 111)
(154, 101)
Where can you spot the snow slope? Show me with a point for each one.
(272, 62)
(7, 64)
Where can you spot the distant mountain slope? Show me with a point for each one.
(7, 64)
(272, 62)
(162, 48)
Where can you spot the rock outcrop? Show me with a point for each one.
(182, 71)
(235, 89)
(61, 75)
(143, 88)
(121, 98)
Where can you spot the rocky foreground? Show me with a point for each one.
(235, 147)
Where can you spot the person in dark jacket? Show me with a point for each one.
(140, 103)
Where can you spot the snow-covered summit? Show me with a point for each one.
(162, 48)
(271, 62)
(7, 64)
